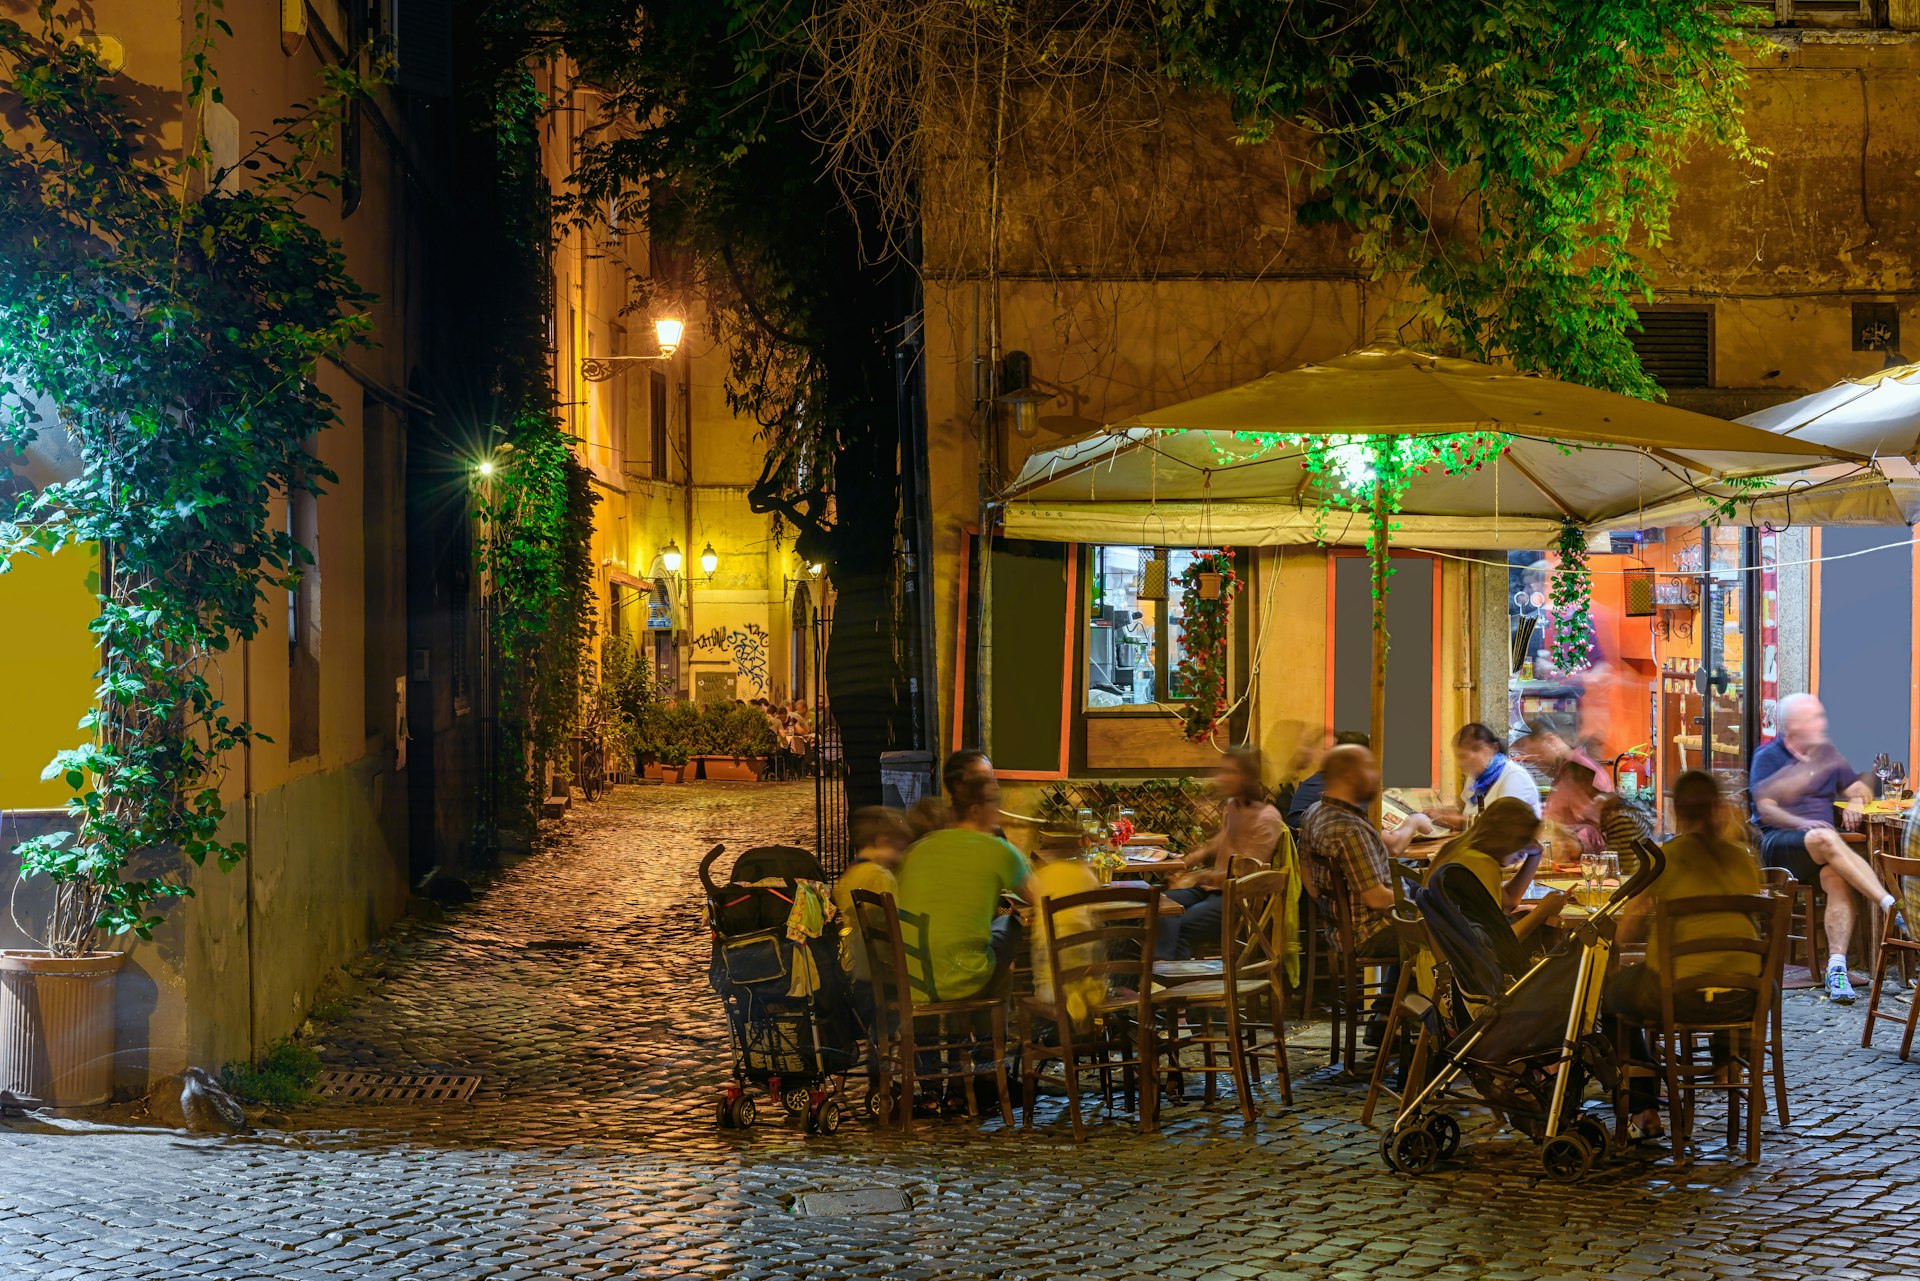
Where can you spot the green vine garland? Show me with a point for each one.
(1202, 672)
(165, 317)
(1569, 603)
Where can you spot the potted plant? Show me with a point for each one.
(739, 741)
(672, 737)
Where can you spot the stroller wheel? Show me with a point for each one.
(1409, 1151)
(1566, 1158)
(723, 1114)
(744, 1113)
(826, 1118)
(1598, 1137)
(1446, 1134)
(872, 1104)
(795, 1099)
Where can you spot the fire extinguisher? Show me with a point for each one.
(1636, 763)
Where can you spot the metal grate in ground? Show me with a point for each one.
(396, 1087)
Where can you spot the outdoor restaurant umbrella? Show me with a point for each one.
(1220, 469)
(1877, 416)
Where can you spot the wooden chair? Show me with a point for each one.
(1902, 879)
(1252, 974)
(1414, 940)
(951, 1028)
(1805, 921)
(1352, 990)
(1675, 1041)
(1115, 1031)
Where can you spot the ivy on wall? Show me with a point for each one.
(164, 316)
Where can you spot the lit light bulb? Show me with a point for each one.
(670, 556)
(485, 468)
(815, 568)
(667, 331)
(709, 560)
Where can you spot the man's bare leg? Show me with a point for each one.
(1830, 850)
(1839, 918)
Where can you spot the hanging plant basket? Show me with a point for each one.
(1207, 589)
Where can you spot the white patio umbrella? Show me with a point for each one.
(1877, 416)
(1220, 469)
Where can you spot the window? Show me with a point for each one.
(1133, 625)
(1675, 345)
(657, 425)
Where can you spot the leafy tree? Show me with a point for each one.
(1512, 158)
(164, 317)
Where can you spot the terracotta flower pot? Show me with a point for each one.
(733, 769)
(56, 1026)
(665, 773)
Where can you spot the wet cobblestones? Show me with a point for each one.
(575, 983)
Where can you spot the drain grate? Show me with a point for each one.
(396, 1087)
(557, 945)
(859, 1201)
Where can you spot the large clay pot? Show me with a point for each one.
(664, 773)
(56, 1026)
(733, 769)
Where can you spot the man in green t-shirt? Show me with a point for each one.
(951, 884)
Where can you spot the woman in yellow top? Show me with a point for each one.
(1058, 873)
(1701, 861)
(1502, 836)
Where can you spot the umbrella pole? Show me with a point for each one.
(1378, 728)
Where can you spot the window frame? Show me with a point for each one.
(1163, 698)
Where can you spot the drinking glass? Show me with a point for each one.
(1609, 873)
(1589, 877)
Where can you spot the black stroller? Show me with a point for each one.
(1527, 1039)
(798, 1049)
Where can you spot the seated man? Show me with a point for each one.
(1338, 833)
(955, 878)
(1796, 780)
(1250, 826)
(1700, 861)
(1502, 837)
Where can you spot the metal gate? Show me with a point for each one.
(829, 762)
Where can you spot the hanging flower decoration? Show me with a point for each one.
(1207, 587)
(1570, 602)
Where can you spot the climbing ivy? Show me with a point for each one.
(163, 316)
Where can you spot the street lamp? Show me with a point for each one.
(709, 560)
(667, 333)
(670, 556)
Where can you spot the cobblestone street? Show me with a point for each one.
(575, 983)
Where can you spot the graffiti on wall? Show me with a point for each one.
(745, 646)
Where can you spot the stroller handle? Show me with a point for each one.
(706, 868)
(1653, 861)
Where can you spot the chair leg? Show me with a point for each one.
(1879, 975)
(1756, 1085)
(1070, 1060)
(1379, 1076)
(1913, 1017)
(1679, 1102)
(999, 1023)
(909, 1067)
(1030, 1059)
(1237, 1058)
(1779, 1051)
(1277, 998)
(1622, 1081)
(960, 1060)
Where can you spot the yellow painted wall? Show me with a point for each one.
(46, 668)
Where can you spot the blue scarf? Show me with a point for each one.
(1477, 793)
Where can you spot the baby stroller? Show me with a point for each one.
(1527, 1039)
(797, 1048)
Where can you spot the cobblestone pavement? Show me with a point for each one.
(591, 1152)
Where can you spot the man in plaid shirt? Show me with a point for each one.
(1338, 833)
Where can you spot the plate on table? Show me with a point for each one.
(1146, 854)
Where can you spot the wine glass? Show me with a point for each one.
(1609, 873)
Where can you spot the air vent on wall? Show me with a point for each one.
(1675, 345)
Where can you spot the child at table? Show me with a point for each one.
(1502, 835)
(1057, 873)
(880, 838)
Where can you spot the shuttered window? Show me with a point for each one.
(1675, 345)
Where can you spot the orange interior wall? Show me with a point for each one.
(1623, 714)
